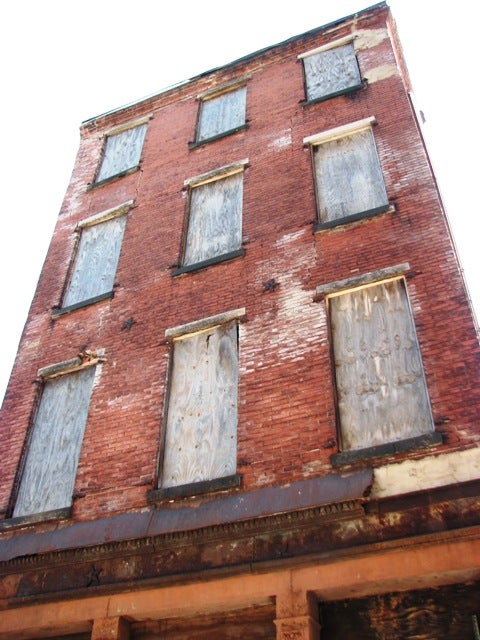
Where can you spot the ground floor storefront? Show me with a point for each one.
(427, 587)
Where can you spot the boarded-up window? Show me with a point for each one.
(122, 152)
(96, 260)
(222, 114)
(348, 176)
(201, 430)
(215, 220)
(381, 391)
(52, 459)
(331, 72)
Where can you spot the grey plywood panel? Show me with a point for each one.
(348, 175)
(215, 221)
(201, 429)
(331, 71)
(49, 474)
(96, 260)
(222, 113)
(381, 390)
(122, 152)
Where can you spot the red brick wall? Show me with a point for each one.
(287, 425)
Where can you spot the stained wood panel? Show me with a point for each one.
(221, 114)
(256, 622)
(348, 175)
(381, 390)
(215, 221)
(122, 152)
(96, 260)
(331, 71)
(52, 459)
(201, 440)
(430, 614)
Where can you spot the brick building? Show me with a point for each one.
(246, 399)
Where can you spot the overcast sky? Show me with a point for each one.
(65, 61)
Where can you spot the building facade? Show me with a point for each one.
(246, 400)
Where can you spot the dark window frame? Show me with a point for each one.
(116, 131)
(223, 483)
(362, 84)
(81, 362)
(97, 219)
(344, 131)
(213, 176)
(218, 92)
(428, 439)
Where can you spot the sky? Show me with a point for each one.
(65, 61)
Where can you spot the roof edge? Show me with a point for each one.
(248, 56)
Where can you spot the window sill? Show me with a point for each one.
(45, 516)
(390, 448)
(194, 488)
(219, 136)
(57, 312)
(207, 263)
(116, 176)
(322, 226)
(335, 94)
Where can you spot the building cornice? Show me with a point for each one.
(183, 519)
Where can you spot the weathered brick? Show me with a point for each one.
(286, 395)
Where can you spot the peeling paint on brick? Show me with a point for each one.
(426, 473)
(368, 38)
(381, 73)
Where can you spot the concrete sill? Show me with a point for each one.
(322, 226)
(390, 448)
(219, 136)
(341, 92)
(61, 311)
(116, 176)
(194, 488)
(45, 516)
(238, 253)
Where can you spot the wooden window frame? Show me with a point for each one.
(335, 44)
(427, 439)
(92, 221)
(83, 361)
(114, 131)
(205, 486)
(330, 135)
(198, 181)
(213, 94)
